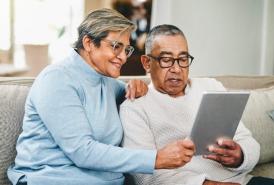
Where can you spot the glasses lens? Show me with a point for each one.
(184, 61)
(117, 47)
(166, 61)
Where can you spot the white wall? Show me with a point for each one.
(267, 57)
(225, 36)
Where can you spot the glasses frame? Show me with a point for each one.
(158, 59)
(114, 43)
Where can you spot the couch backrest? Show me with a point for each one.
(229, 81)
(246, 82)
(13, 93)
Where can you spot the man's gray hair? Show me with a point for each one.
(99, 23)
(164, 29)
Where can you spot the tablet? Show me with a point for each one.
(218, 116)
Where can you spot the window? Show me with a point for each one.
(49, 23)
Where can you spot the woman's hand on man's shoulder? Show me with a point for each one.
(135, 89)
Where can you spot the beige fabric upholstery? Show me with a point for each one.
(255, 117)
(264, 170)
(246, 82)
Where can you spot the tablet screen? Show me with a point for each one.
(218, 116)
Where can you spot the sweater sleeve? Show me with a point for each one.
(56, 97)
(138, 135)
(250, 148)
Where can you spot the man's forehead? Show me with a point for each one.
(167, 44)
(166, 52)
(169, 37)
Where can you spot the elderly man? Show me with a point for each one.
(167, 114)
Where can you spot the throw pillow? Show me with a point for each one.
(256, 118)
(271, 114)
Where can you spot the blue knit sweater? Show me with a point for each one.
(72, 131)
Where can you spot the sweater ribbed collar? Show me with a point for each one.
(85, 70)
(166, 96)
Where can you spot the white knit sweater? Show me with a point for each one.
(157, 119)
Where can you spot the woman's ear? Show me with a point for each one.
(87, 43)
(146, 63)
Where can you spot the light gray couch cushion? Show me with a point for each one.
(256, 118)
(12, 100)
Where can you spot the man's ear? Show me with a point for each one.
(145, 62)
(87, 43)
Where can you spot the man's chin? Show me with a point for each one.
(176, 92)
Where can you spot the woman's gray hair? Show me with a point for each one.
(99, 23)
(164, 29)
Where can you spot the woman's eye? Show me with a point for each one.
(117, 46)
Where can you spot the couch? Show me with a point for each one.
(13, 92)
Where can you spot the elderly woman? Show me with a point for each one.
(71, 128)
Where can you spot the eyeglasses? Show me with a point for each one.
(118, 47)
(166, 62)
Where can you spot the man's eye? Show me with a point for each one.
(166, 59)
(184, 58)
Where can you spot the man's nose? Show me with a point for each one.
(175, 67)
